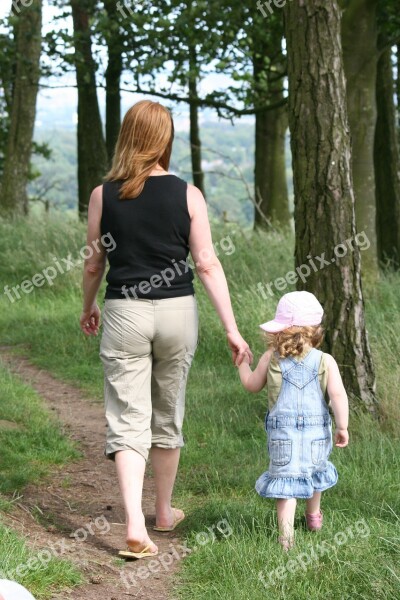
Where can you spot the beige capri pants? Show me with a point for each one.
(147, 348)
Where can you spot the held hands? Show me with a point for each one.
(90, 320)
(245, 360)
(240, 349)
(341, 438)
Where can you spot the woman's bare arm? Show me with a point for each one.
(94, 267)
(210, 271)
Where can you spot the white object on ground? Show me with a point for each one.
(11, 590)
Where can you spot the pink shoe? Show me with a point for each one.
(314, 522)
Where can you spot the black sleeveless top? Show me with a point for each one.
(151, 235)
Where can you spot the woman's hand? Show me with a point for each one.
(90, 320)
(239, 348)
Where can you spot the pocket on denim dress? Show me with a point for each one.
(320, 450)
(280, 452)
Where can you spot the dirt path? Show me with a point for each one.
(82, 498)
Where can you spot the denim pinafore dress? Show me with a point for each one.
(299, 433)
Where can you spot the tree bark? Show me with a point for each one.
(324, 199)
(270, 169)
(387, 165)
(195, 141)
(271, 192)
(113, 78)
(28, 41)
(359, 40)
(92, 154)
(398, 89)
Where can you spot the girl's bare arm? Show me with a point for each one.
(339, 401)
(254, 381)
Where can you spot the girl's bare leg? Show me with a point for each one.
(313, 504)
(286, 509)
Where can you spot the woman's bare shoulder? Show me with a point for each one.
(195, 199)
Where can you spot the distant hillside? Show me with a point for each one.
(228, 160)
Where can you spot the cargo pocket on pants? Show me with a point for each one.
(280, 452)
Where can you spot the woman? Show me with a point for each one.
(150, 315)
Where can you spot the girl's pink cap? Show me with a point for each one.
(295, 308)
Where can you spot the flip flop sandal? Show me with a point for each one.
(176, 522)
(142, 554)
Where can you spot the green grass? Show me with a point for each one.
(226, 448)
(365, 506)
(31, 444)
(39, 572)
(35, 442)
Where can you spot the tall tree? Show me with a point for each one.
(324, 199)
(251, 53)
(360, 54)
(386, 146)
(398, 87)
(28, 42)
(387, 163)
(7, 76)
(269, 68)
(175, 36)
(114, 37)
(92, 154)
(194, 133)
(193, 39)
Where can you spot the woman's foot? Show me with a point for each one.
(169, 520)
(138, 546)
(137, 538)
(314, 521)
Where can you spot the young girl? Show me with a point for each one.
(298, 378)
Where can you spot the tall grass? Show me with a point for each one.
(226, 448)
(33, 443)
(42, 575)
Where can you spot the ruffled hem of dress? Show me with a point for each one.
(268, 486)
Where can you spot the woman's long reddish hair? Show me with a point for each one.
(145, 140)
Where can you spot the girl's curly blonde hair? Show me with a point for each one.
(291, 341)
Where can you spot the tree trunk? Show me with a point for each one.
(271, 193)
(195, 142)
(359, 39)
(387, 165)
(398, 89)
(28, 40)
(92, 154)
(324, 199)
(113, 79)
